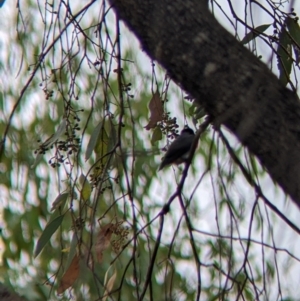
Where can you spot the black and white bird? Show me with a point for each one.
(179, 150)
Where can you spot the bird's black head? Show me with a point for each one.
(187, 130)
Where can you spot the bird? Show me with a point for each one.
(179, 150)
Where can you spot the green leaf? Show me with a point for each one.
(254, 33)
(86, 189)
(73, 246)
(101, 146)
(196, 111)
(284, 56)
(248, 293)
(156, 136)
(112, 138)
(60, 130)
(37, 160)
(192, 109)
(294, 30)
(93, 140)
(59, 201)
(46, 235)
(270, 269)
(52, 139)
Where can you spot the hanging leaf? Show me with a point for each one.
(196, 111)
(101, 150)
(37, 160)
(103, 240)
(254, 33)
(284, 56)
(104, 144)
(156, 111)
(294, 31)
(53, 138)
(110, 283)
(101, 146)
(69, 276)
(47, 233)
(112, 137)
(156, 136)
(60, 130)
(72, 249)
(93, 140)
(86, 189)
(192, 109)
(112, 140)
(59, 201)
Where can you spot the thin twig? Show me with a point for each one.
(254, 185)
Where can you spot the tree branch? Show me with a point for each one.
(236, 89)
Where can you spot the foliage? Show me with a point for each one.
(85, 212)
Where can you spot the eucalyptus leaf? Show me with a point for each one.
(156, 136)
(86, 189)
(59, 201)
(60, 130)
(294, 30)
(47, 233)
(284, 56)
(93, 140)
(254, 33)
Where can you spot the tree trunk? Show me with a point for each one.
(235, 87)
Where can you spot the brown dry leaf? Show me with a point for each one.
(156, 111)
(103, 240)
(69, 276)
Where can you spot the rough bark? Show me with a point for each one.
(233, 85)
